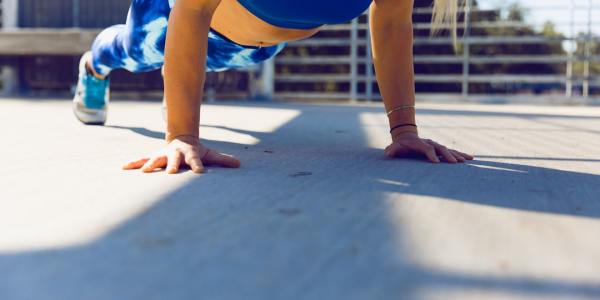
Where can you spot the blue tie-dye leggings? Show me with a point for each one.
(138, 45)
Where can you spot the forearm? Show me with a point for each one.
(392, 40)
(185, 61)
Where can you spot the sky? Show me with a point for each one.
(556, 11)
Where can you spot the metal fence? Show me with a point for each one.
(336, 64)
(58, 73)
(458, 72)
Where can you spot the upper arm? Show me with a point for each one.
(397, 11)
(199, 6)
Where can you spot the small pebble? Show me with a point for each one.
(298, 174)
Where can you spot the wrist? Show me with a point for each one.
(404, 131)
(188, 137)
(402, 117)
(181, 129)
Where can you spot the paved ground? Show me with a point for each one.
(316, 212)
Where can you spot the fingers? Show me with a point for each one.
(465, 155)
(428, 150)
(458, 156)
(445, 153)
(213, 157)
(154, 163)
(174, 161)
(136, 164)
(450, 155)
(193, 160)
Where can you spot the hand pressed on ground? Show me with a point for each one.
(409, 144)
(183, 150)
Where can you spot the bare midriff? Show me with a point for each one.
(239, 25)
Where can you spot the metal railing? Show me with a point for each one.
(353, 75)
(575, 88)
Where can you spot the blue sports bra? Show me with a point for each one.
(305, 14)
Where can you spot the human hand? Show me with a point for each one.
(409, 143)
(183, 150)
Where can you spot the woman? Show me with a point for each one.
(214, 35)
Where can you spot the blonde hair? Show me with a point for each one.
(445, 16)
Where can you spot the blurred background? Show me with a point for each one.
(510, 51)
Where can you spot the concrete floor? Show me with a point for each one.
(316, 211)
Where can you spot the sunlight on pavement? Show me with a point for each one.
(221, 123)
(496, 168)
(76, 192)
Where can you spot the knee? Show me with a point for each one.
(146, 45)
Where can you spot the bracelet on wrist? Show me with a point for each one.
(400, 108)
(402, 125)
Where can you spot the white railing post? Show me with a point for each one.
(266, 85)
(9, 14)
(588, 54)
(9, 74)
(466, 51)
(570, 53)
(75, 13)
(354, 61)
(369, 64)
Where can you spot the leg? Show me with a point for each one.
(138, 45)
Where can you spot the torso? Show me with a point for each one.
(239, 25)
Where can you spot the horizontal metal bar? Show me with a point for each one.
(500, 78)
(474, 40)
(499, 24)
(429, 10)
(327, 42)
(315, 78)
(439, 59)
(497, 40)
(308, 60)
(460, 25)
(449, 97)
(447, 78)
(46, 41)
(315, 95)
(538, 59)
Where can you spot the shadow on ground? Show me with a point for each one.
(314, 225)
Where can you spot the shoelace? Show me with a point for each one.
(95, 92)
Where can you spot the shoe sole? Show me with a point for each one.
(85, 120)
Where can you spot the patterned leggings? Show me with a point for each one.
(138, 45)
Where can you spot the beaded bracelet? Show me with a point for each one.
(399, 108)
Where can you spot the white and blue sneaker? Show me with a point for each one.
(92, 95)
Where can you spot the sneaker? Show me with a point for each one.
(90, 103)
